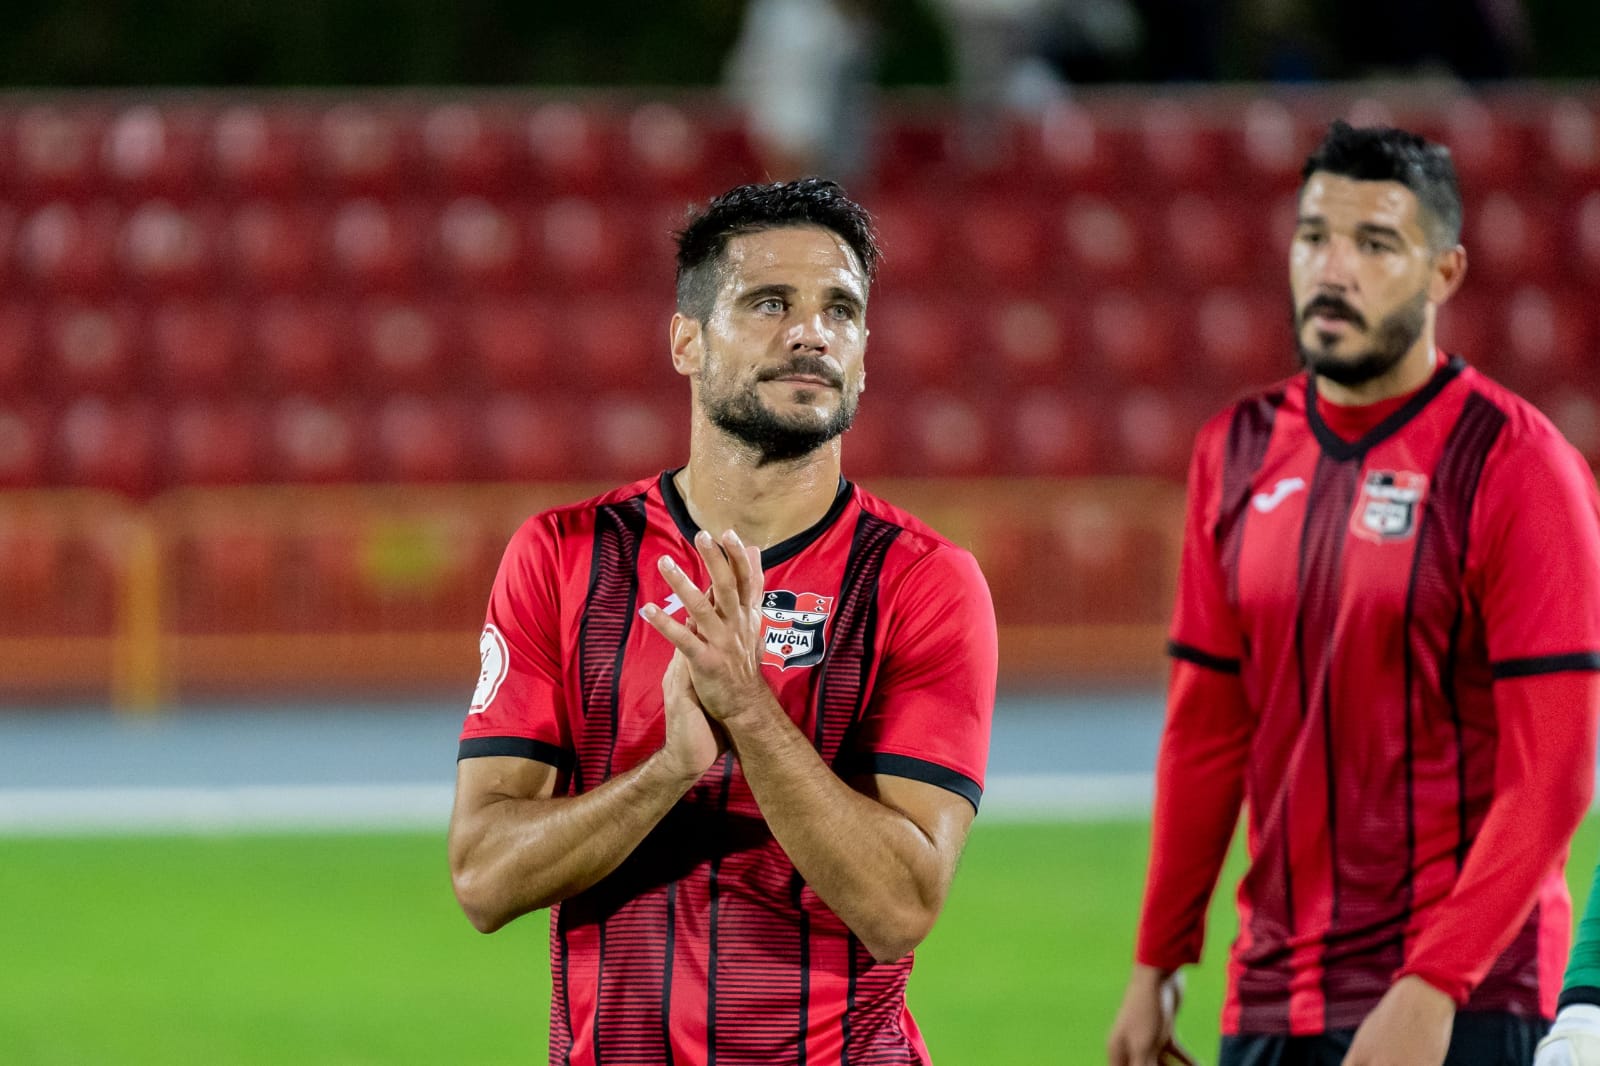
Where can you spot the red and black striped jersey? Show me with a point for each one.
(706, 945)
(1385, 648)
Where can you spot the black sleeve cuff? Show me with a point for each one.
(517, 747)
(917, 770)
(1545, 664)
(1579, 994)
(1202, 658)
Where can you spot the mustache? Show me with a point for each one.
(808, 365)
(1333, 307)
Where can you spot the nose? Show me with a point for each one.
(807, 332)
(1333, 268)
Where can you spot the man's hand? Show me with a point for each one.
(694, 742)
(1142, 1034)
(721, 644)
(1574, 1040)
(1410, 1026)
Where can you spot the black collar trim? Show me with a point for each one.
(1340, 450)
(779, 553)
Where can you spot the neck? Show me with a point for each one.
(1408, 375)
(726, 486)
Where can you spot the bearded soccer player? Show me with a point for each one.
(733, 719)
(1386, 647)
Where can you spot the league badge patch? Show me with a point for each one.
(1389, 505)
(792, 630)
(493, 665)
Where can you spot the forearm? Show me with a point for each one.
(872, 865)
(511, 855)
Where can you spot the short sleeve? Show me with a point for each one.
(933, 703)
(1205, 630)
(518, 707)
(1537, 543)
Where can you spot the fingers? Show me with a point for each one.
(697, 605)
(1174, 1055)
(681, 636)
(721, 566)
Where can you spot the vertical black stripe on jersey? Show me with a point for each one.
(1249, 435)
(797, 886)
(666, 978)
(842, 693)
(608, 612)
(560, 1006)
(714, 895)
(1321, 564)
(1437, 572)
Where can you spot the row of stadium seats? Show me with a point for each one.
(192, 145)
(1034, 242)
(137, 449)
(1232, 337)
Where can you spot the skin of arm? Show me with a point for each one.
(881, 858)
(515, 847)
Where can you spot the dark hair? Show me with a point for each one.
(1379, 153)
(753, 208)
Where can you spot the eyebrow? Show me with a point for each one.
(1366, 229)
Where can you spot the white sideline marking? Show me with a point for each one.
(359, 808)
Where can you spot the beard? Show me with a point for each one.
(739, 412)
(1390, 341)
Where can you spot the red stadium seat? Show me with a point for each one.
(197, 346)
(1512, 240)
(635, 435)
(1244, 337)
(577, 244)
(24, 449)
(1546, 337)
(1152, 436)
(90, 348)
(667, 152)
(209, 443)
(914, 236)
(149, 152)
(568, 145)
(871, 444)
(472, 149)
(1103, 241)
(301, 347)
(1030, 339)
(1583, 253)
(947, 435)
(1571, 141)
(19, 338)
(1133, 337)
(1003, 244)
(481, 246)
(1050, 433)
(63, 248)
(402, 346)
(316, 442)
(167, 248)
(1272, 145)
(1576, 412)
(108, 445)
(528, 438)
(259, 152)
(1491, 149)
(362, 151)
(421, 440)
(1180, 149)
(56, 152)
(1467, 328)
(511, 342)
(611, 347)
(1075, 153)
(1205, 243)
(914, 153)
(374, 247)
(916, 341)
(269, 248)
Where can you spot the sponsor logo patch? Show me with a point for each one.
(792, 631)
(1388, 506)
(493, 665)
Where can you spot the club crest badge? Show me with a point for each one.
(493, 665)
(1389, 505)
(792, 633)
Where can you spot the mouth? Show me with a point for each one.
(809, 381)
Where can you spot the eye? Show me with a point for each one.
(770, 305)
(842, 312)
(1310, 237)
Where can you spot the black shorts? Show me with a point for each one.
(1479, 1038)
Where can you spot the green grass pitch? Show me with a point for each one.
(347, 950)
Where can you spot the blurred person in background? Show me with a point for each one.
(1387, 649)
(732, 721)
(804, 72)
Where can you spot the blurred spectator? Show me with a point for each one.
(804, 70)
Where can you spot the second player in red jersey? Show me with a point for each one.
(1385, 648)
(732, 721)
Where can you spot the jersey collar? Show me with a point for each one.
(1340, 450)
(781, 552)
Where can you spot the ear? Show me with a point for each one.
(1449, 270)
(687, 348)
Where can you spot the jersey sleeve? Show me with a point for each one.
(518, 707)
(1205, 744)
(933, 703)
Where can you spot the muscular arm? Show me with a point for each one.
(515, 847)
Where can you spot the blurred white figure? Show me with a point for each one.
(804, 70)
(1574, 1040)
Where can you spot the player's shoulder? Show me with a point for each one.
(1526, 431)
(568, 520)
(1260, 406)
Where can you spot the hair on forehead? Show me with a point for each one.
(1381, 153)
(703, 243)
